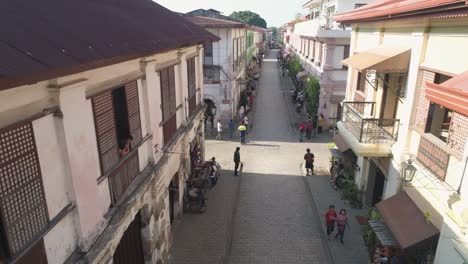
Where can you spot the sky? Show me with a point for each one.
(275, 12)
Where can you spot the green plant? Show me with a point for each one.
(312, 92)
(294, 68)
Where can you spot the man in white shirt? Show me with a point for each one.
(246, 123)
(220, 130)
(241, 112)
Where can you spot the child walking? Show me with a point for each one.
(342, 222)
(330, 218)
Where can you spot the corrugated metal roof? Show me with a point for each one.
(44, 39)
(209, 22)
(383, 9)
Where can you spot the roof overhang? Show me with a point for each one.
(407, 223)
(451, 94)
(381, 59)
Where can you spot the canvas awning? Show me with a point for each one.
(451, 94)
(407, 223)
(382, 232)
(340, 143)
(381, 59)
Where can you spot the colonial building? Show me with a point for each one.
(97, 117)
(224, 64)
(321, 44)
(406, 110)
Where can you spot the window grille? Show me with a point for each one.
(133, 109)
(169, 105)
(23, 206)
(106, 131)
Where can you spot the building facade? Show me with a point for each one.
(224, 64)
(94, 137)
(321, 44)
(407, 99)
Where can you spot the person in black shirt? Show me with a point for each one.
(309, 162)
(236, 161)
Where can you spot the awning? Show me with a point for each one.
(381, 59)
(451, 94)
(340, 143)
(382, 232)
(405, 220)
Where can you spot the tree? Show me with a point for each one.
(250, 18)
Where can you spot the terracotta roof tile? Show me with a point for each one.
(383, 9)
(40, 40)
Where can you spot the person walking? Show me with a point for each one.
(242, 130)
(302, 128)
(236, 161)
(213, 174)
(219, 127)
(321, 123)
(231, 128)
(246, 123)
(342, 222)
(330, 218)
(310, 127)
(241, 112)
(309, 162)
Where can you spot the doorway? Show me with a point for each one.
(389, 106)
(375, 185)
(130, 248)
(173, 197)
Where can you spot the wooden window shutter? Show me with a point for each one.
(106, 132)
(23, 206)
(133, 109)
(172, 89)
(191, 77)
(165, 97)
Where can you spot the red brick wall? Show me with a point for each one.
(458, 133)
(422, 105)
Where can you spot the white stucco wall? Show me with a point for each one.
(67, 146)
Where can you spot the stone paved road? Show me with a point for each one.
(267, 215)
(274, 221)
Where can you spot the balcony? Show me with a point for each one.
(320, 29)
(366, 135)
(211, 73)
(121, 178)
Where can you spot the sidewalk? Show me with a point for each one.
(205, 237)
(354, 250)
(323, 195)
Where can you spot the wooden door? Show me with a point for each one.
(36, 255)
(130, 248)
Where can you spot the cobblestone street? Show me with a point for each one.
(268, 215)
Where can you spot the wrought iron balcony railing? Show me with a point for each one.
(369, 130)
